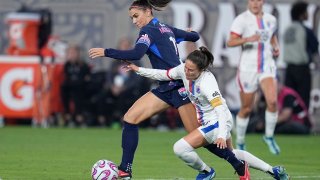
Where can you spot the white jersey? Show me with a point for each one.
(256, 56)
(200, 92)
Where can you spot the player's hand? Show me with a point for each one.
(221, 143)
(130, 67)
(96, 52)
(253, 38)
(189, 29)
(276, 52)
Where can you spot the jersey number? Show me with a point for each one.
(173, 40)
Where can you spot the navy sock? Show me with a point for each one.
(229, 156)
(130, 138)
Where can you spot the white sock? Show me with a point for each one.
(271, 121)
(252, 160)
(241, 127)
(186, 153)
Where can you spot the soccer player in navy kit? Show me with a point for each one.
(158, 41)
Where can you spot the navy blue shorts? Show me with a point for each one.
(173, 93)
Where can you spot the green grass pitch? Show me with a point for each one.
(59, 153)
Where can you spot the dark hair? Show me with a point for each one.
(298, 9)
(150, 4)
(203, 58)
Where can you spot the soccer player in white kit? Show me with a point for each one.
(254, 31)
(213, 115)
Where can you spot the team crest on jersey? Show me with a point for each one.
(183, 92)
(216, 93)
(144, 39)
(198, 89)
(269, 24)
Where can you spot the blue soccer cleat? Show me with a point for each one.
(206, 176)
(279, 173)
(241, 146)
(272, 144)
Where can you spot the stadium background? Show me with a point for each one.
(101, 23)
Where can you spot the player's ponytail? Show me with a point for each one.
(150, 4)
(158, 4)
(203, 58)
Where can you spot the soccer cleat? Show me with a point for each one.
(279, 173)
(246, 175)
(272, 144)
(124, 175)
(206, 176)
(241, 146)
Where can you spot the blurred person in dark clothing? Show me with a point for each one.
(120, 91)
(300, 45)
(73, 89)
(293, 114)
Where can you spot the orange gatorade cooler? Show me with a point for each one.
(23, 33)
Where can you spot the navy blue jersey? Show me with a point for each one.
(159, 42)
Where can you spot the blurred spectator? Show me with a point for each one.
(120, 91)
(300, 45)
(293, 114)
(190, 47)
(73, 89)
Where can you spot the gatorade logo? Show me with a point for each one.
(16, 90)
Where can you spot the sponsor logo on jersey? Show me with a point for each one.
(144, 39)
(183, 93)
(216, 93)
(264, 35)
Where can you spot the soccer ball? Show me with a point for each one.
(104, 170)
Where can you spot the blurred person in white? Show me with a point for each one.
(255, 31)
(300, 46)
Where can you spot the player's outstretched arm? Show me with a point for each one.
(156, 74)
(136, 53)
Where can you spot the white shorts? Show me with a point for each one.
(248, 81)
(211, 130)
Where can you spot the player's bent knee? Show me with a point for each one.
(246, 111)
(182, 147)
(131, 118)
(272, 105)
(186, 152)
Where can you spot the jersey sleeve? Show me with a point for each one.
(312, 42)
(237, 26)
(159, 74)
(274, 27)
(209, 88)
(139, 50)
(182, 35)
(288, 101)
